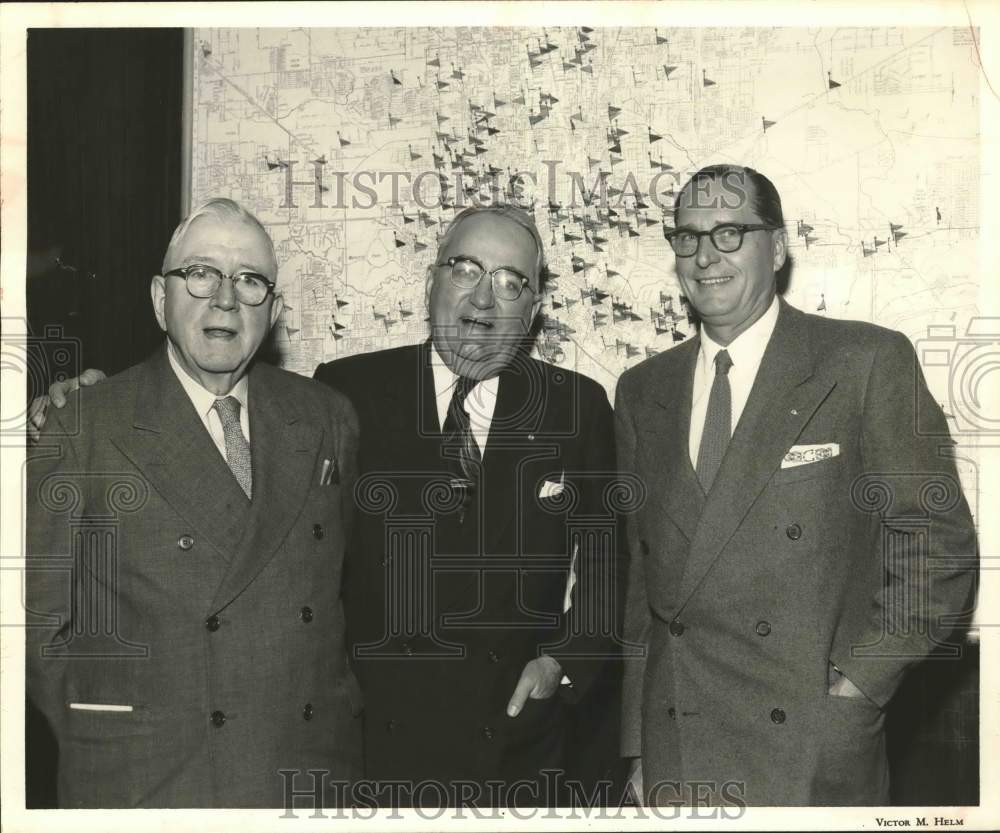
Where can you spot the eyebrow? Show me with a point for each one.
(206, 260)
(717, 225)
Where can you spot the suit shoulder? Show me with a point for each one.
(557, 378)
(650, 370)
(847, 338)
(106, 397)
(361, 364)
(317, 400)
(367, 373)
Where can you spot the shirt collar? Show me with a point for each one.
(747, 349)
(202, 398)
(445, 379)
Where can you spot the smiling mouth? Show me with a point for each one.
(714, 281)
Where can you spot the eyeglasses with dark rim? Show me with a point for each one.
(204, 281)
(726, 237)
(466, 273)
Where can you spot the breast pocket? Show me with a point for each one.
(830, 467)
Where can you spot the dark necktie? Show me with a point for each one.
(458, 434)
(718, 423)
(237, 448)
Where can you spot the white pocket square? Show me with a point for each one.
(99, 707)
(551, 489)
(803, 455)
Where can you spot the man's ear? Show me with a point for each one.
(277, 307)
(779, 241)
(428, 285)
(158, 292)
(536, 305)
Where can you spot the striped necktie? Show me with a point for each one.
(237, 448)
(718, 423)
(458, 433)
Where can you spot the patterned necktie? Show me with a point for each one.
(458, 432)
(237, 448)
(718, 423)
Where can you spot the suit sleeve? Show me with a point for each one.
(637, 617)
(921, 535)
(590, 624)
(54, 490)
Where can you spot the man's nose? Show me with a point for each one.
(706, 254)
(225, 295)
(482, 294)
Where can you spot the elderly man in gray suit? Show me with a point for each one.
(804, 541)
(186, 528)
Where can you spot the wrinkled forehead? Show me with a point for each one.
(704, 202)
(230, 244)
(495, 241)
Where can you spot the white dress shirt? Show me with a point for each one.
(479, 404)
(746, 351)
(204, 400)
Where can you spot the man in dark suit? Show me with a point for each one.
(804, 540)
(480, 585)
(186, 528)
(485, 509)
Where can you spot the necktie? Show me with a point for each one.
(458, 433)
(237, 448)
(718, 423)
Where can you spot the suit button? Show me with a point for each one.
(307, 711)
(763, 628)
(676, 628)
(212, 623)
(390, 725)
(644, 547)
(777, 716)
(672, 713)
(306, 614)
(317, 532)
(793, 531)
(494, 656)
(185, 542)
(218, 718)
(488, 732)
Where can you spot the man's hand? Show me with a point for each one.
(58, 391)
(634, 782)
(840, 686)
(539, 681)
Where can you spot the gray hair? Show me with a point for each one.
(218, 208)
(511, 212)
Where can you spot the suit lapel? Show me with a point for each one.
(521, 404)
(284, 447)
(516, 415)
(168, 443)
(784, 396)
(670, 423)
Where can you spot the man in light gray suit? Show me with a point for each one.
(803, 542)
(184, 550)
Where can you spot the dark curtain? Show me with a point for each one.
(104, 194)
(104, 188)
